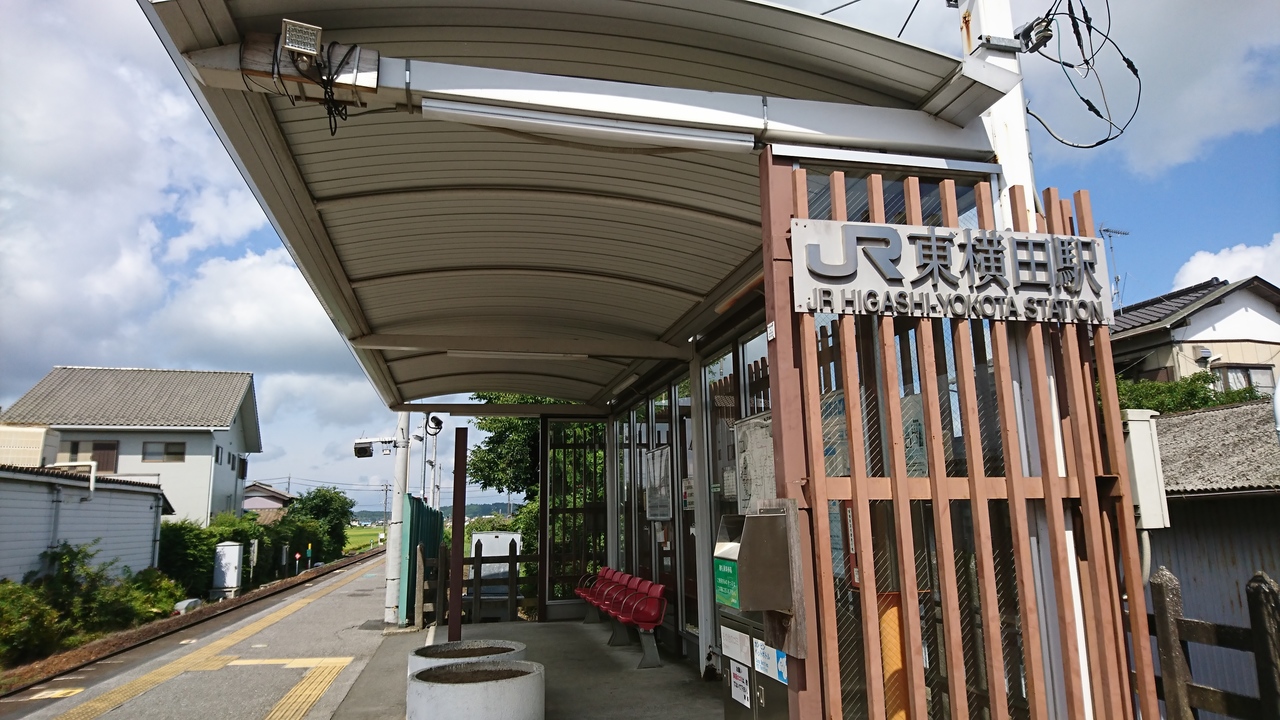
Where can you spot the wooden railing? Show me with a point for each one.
(436, 584)
(1181, 694)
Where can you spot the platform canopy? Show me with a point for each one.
(460, 252)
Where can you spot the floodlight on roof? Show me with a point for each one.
(594, 128)
(300, 37)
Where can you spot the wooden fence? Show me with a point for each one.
(1178, 689)
(436, 571)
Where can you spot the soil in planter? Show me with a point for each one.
(465, 652)
(456, 676)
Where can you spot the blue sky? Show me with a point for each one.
(127, 237)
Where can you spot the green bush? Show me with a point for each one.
(1190, 393)
(73, 600)
(29, 626)
(186, 555)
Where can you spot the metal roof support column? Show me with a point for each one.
(777, 205)
(391, 612)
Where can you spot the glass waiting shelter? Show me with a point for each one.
(840, 378)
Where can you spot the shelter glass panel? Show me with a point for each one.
(685, 495)
(644, 530)
(622, 431)
(662, 501)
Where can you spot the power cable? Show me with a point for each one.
(1084, 30)
(840, 7)
(909, 16)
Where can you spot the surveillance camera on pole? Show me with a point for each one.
(363, 447)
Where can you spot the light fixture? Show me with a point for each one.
(624, 384)
(514, 355)
(300, 37)
(594, 128)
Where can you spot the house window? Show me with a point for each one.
(164, 451)
(1238, 377)
(231, 460)
(217, 457)
(243, 471)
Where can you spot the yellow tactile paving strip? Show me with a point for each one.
(202, 658)
(295, 704)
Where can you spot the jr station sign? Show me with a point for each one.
(918, 271)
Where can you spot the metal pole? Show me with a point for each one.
(391, 609)
(459, 532)
(435, 473)
(424, 458)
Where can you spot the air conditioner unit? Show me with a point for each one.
(28, 445)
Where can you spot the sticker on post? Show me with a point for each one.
(735, 645)
(770, 662)
(739, 683)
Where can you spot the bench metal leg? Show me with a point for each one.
(593, 615)
(620, 635)
(649, 648)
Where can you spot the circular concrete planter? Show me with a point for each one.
(464, 651)
(495, 690)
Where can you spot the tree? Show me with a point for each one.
(507, 460)
(1190, 393)
(329, 507)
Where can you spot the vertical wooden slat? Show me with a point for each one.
(965, 376)
(937, 460)
(1028, 613)
(811, 402)
(862, 518)
(943, 537)
(1102, 630)
(1126, 529)
(777, 203)
(1054, 521)
(824, 561)
(839, 209)
(913, 649)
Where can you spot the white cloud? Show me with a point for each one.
(255, 310)
(1238, 262)
(218, 216)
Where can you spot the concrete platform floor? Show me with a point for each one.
(585, 677)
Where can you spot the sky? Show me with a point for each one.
(128, 238)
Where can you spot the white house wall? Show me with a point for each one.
(186, 483)
(124, 522)
(1240, 316)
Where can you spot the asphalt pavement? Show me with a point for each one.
(290, 657)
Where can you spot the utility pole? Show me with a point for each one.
(435, 473)
(391, 611)
(385, 489)
(288, 484)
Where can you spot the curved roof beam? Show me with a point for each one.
(499, 346)
(417, 195)
(489, 271)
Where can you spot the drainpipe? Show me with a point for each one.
(57, 514)
(93, 472)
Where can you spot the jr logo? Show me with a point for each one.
(883, 257)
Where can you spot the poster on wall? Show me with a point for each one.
(754, 436)
(658, 503)
(739, 683)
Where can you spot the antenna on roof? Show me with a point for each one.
(1117, 292)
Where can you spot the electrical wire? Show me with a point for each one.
(909, 16)
(1084, 30)
(840, 7)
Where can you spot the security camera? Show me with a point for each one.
(363, 448)
(435, 423)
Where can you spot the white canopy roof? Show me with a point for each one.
(484, 250)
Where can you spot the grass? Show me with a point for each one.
(358, 537)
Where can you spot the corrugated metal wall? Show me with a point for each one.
(124, 520)
(1214, 546)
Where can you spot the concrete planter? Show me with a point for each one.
(495, 690)
(464, 651)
